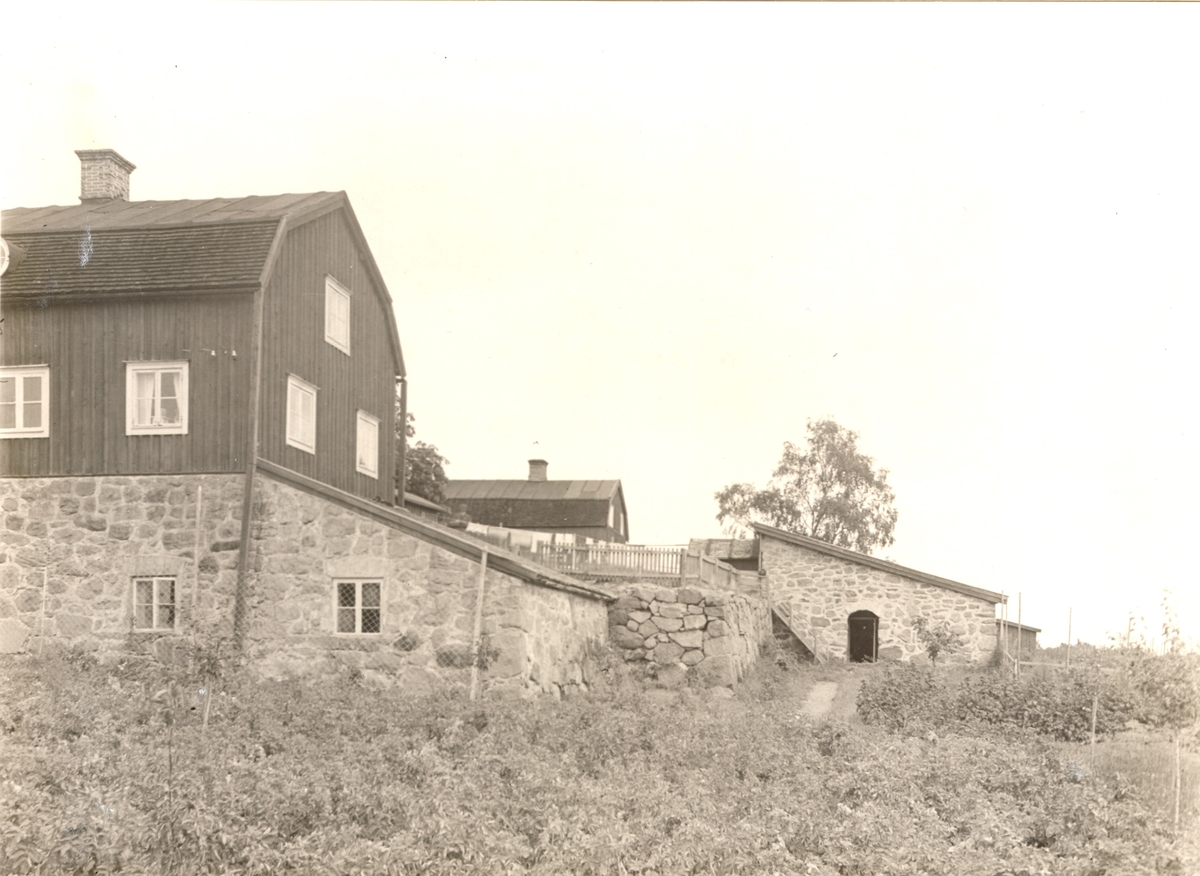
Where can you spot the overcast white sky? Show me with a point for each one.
(649, 242)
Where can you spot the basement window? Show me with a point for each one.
(24, 396)
(358, 606)
(156, 398)
(154, 604)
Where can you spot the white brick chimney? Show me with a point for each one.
(537, 469)
(104, 175)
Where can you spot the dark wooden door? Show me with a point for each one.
(864, 637)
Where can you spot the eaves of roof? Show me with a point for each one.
(1013, 625)
(821, 547)
(441, 536)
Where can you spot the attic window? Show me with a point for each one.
(156, 398)
(337, 315)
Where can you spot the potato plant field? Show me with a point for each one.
(133, 768)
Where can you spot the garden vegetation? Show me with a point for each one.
(135, 768)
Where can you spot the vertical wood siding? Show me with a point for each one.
(294, 343)
(86, 345)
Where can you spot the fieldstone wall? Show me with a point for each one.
(712, 636)
(70, 547)
(824, 590)
(536, 638)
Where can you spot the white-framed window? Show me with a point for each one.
(154, 603)
(337, 315)
(368, 445)
(301, 414)
(156, 398)
(25, 401)
(357, 606)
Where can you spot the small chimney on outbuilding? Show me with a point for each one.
(104, 175)
(537, 469)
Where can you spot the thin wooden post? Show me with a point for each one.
(1095, 709)
(1018, 635)
(196, 553)
(477, 633)
(1068, 639)
(42, 625)
(1178, 779)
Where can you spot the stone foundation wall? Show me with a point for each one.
(824, 591)
(537, 638)
(70, 548)
(712, 636)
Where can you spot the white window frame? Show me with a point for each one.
(19, 373)
(305, 442)
(157, 607)
(337, 313)
(132, 370)
(357, 608)
(368, 427)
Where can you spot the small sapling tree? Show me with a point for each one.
(938, 639)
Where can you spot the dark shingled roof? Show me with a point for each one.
(531, 504)
(99, 247)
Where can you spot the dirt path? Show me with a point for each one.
(820, 699)
(832, 699)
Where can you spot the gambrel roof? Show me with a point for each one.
(112, 247)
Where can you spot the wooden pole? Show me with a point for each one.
(1068, 637)
(1095, 709)
(1018, 635)
(196, 553)
(477, 634)
(1178, 780)
(42, 625)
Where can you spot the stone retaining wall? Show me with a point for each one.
(70, 548)
(824, 590)
(714, 637)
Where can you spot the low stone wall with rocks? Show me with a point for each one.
(71, 547)
(681, 633)
(822, 592)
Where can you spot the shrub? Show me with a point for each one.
(903, 694)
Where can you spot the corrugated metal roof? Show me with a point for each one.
(542, 490)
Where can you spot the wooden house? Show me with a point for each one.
(197, 407)
(171, 337)
(593, 509)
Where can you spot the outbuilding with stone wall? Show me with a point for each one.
(846, 605)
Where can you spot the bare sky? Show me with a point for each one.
(649, 242)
